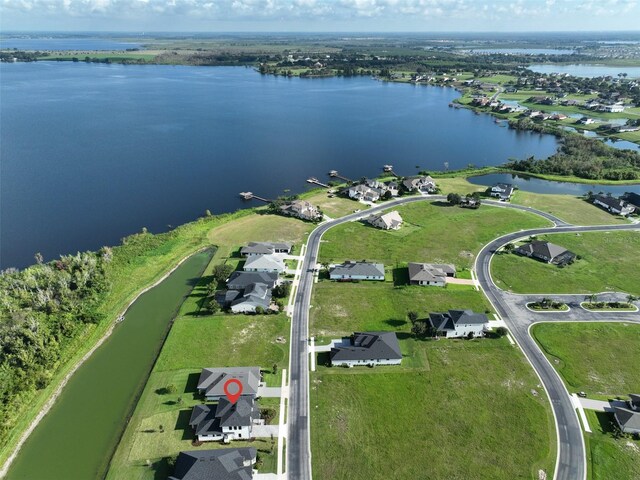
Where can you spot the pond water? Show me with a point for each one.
(586, 71)
(93, 152)
(525, 51)
(75, 440)
(538, 185)
(66, 44)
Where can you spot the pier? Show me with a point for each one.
(389, 169)
(335, 174)
(315, 181)
(251, 195)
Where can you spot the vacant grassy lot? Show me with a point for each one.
(432, 232)
(609, 262)
(598, 358)
(342, 308)
(459, 415)
(333, 207)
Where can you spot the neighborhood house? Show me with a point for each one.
(547, 252)
(265, 248)
(357, 271)
(301, 209)
(458, 323)
(264, 263)
(241, 280)
(249, 299)
(628, 419)
(613, 205)
(430, 273)
(424, 184)
(386, 221)
(225, 463)
(226, 420)
(367, 348)
(365, 193)
(212, 380)
(502, 190)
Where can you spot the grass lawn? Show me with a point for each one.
(598, 358)
(333, 207)
(339, 309)
(609, 262)
(457, 415)
(432, 232)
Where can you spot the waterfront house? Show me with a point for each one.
(423, 183)
(301, 209)
(265, 248)
(435, 274)
(224, 463)
(458, 323)
(613, 205)
(239, 280)
(386, 221)
(546, 252)
(264, 263)
(502, 190)
(364, 192)
(632, 199)
(357, 271)
(212, 380)
(225, 421)
(253, 297)
(367, 348)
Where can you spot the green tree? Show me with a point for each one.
(453, 199)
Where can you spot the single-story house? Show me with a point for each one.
(546, 252)
(225, 463)
(628, 419)
(226, 420)
(392, 187)
(357, 271)
(633, 199)
(367, 348)
(420, 183)
(265, 248)
(502, 190)
(430, 273)
(212, 380)
(254, 296)
(264, 263)
(239, 280)
(386, 221)
(458, 323)
(301, 209)
(363, 192)
(613, 205)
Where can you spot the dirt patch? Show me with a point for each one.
(542, 475)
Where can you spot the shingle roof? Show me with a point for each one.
(358, 268)
(369, 346)
(628, 419)
(240, 413)
(541, 248)
(212, 380)
(264, 248)
(221, 464)
(635, 399)
(610, 202)
(449, 320)
(633, 198)
(240, 280)
(429, 272)
(390, 219)
(264, 261)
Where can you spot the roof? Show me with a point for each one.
(541, 248)
(369, 346)
(449, 320)
(633, 198)
(611, 202)
(220, 464)
(270, 262)
(429, 272)
(635, 399)
(212, 380)
(628, 419)
(264, 248)
(209, 419)
(240, 280)
(413, 182)
(390, 219)
(365, 269)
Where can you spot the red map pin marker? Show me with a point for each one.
(233, 397)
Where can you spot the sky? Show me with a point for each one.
(319, 15)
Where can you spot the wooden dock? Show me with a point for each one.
(335, 174)
(315, 181)
(251, 196)
(389, 169)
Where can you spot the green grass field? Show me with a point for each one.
(600, 359)
(464, 411)
(609, 262)
(431, 233)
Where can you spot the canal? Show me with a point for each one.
(76, 439)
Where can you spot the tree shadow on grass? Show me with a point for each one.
(400, 276)
(441, 203)
(395, 322)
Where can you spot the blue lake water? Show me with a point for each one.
(537, 185)
(65, 44)
(525, 51)
(94, 152)
(586, 71)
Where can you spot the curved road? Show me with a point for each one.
(571, 452)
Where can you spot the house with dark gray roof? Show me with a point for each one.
(222, 464)
(226, 420)
(546, 252)
(613, 205)
(628, 420)
(502, 190)
(430, 273)
(633, 199)
(424, 184)
(367, 348)
(357, 271)
(458, 323)
(254, 296)
(265, 248)
(212, 380)
(240, 280)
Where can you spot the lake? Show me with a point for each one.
(586, 71)
(94, 152)
(56, 43)
(537, 185)
(525, 51)
(75, 440)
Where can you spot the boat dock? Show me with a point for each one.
(315, 181)
(335, 174)
(251, 195)
(389, 169)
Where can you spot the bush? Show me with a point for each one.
(501, 331)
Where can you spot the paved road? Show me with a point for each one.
(571, 462)
(571, 448)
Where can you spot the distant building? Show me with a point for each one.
(265, 248)
(386, 221)
(302, 209)
(613, 205)
(430, 273)
(458, 323)
(212, 380)
(222, 464)
(546, 252)
(367, 348)
(357, 271)
(502, 190)
(424, 184)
